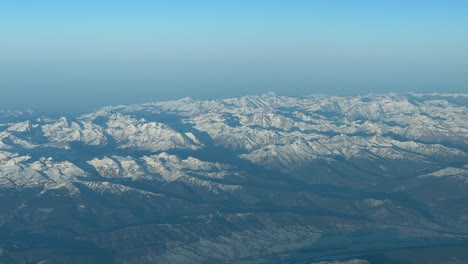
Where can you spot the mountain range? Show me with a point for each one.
(379, 178)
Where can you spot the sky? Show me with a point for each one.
(81, 55)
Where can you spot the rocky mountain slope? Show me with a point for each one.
(255, 179)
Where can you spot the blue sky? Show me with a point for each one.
(78, 55)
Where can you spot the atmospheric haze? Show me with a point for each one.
(76, 56)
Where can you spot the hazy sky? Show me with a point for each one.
(81, 54)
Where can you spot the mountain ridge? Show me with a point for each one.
(191, 181)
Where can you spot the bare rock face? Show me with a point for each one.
(255, 179)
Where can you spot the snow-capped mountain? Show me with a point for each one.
(255, 179)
